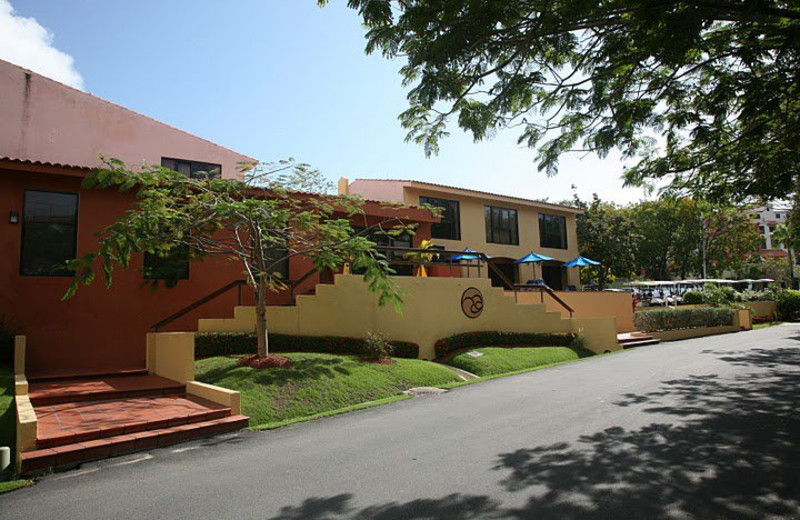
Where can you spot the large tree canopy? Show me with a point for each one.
(700, 93)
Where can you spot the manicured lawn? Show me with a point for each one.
(7, 412)
(11, 485)
(767, 324)
(317, 384)
(498, 360)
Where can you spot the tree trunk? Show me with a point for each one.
(261, 319)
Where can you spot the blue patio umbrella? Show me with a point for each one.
(467, 256)
(581, 261)
(532, 257)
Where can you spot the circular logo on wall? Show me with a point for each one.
(472, 302)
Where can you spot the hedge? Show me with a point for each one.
(674, 319)
(210, 344)
(788, 304)
(501, 339)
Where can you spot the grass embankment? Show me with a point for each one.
(8, 428)
(499, 360)
(316, 385)
(767, 324)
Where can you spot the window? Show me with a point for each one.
(449, 228)
(49, 233)
(170, 268)
(193, 169)
(552, 231)
(501, 225)
(382, 239)
(274, 252)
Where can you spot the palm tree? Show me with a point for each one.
(422, 258)
(783, 235)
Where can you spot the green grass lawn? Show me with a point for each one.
(8, 423)
(767, 324)
(498, 360)
(315, 385)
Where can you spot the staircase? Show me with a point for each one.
(88, 418)
(636, 339)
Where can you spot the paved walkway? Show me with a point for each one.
(706, 428)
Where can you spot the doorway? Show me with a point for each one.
(553, 276)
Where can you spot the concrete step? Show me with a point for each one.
(79, 421)
(641, 343)
(69, 455)
(51, 392)
(61, 375)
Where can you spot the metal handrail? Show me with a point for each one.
(202, 301)
(293, 284)
(545, 289)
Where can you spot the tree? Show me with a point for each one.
(729, 238)
(260, 222)
(607, 235)
(718, 81)
(785, 236)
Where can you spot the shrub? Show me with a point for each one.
(721, 296)
(693, 298)
(674, 319)
(788, 303)
(579, 346)
(209, 344)
(376, 346)
(760, 296)
(501, 339)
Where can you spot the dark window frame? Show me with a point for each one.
(65, 273)
(454, 224)
(493, 217)
(172, 280)
(214, 170)
(543, 217)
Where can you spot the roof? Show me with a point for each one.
(425, 184)
(115, 105)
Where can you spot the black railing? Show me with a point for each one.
(392, 254)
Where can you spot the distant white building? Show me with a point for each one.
(767, 218)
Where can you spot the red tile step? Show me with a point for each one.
(52, 392)
(636, 339)
(53, 375)
(79, 421)
(76, 453)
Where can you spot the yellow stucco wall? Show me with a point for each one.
(20, 343)
(588, 304)
(432, 311)
(473, 230)
(171, 355)
(765, 309)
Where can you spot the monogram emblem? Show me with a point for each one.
(472, 302)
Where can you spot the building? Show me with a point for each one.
(504, 227)
(51, 137)
(767, 218)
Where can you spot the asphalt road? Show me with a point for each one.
(706, 428)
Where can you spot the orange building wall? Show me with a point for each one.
(105, 328)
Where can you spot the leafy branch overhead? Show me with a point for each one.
(260, 222)
(704, 94)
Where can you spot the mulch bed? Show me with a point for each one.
(256, 361)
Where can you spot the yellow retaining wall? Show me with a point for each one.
(432, 311)
(743, 320)
(27, 423)
(171, 355)
(588, 304)
(765, 309)
(19, 354)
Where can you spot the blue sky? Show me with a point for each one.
(274, 79)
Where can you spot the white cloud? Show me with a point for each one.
(26, 43)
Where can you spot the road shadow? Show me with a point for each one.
(720, 448)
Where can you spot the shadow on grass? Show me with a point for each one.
(297, 370)
(716, 448)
